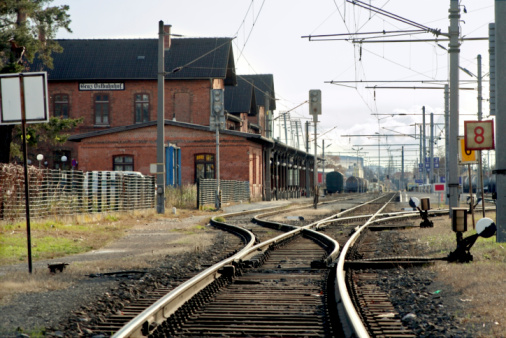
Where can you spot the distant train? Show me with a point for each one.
(335, 182)
(488, 184)
(356, 184)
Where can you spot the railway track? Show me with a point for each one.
(239, 268)
(283, 297)
(281, 283)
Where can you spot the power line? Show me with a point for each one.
(251, 30)
(395, 17)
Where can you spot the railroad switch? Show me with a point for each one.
(53, 267)
(423, 206)
(485, 228)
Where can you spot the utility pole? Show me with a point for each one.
(447, 140)
(266, 168)
(422, 161)
(431, 149)
(297, 126)
(315, 169)
(279, 127)
(268, 116)
(454, 51)
(323, 166)
(402, 171)
(160, 124)
(424, 145)
(500, 119)
(286, 130)
(307, 159)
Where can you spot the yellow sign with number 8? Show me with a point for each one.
(466, 156)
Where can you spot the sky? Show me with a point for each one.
(271, 37)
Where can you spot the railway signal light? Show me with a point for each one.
(217, 102)
(315, 102)
(217, 117)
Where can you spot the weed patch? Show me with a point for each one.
(55, 238)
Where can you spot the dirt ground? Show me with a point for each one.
(481, 282)
(163, 236)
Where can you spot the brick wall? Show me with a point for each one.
(236, 153)
(121, 102)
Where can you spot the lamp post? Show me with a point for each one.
(63, 160)
(40, 157)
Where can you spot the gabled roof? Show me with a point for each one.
(241, 98)
(201, 58)
(136, 59)
(262, 83)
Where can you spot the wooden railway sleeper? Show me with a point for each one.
(178, 318)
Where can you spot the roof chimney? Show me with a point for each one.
(166, 37)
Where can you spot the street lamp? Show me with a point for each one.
(63, 160)
(40, 157)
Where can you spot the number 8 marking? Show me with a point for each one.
(478, 132)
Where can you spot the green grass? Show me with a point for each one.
(14, 247)
(111, 218)
(53, 239)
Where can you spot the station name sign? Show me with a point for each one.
(102, 86)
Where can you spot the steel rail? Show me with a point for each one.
(352, 323)
(307, 229)
(167, 305)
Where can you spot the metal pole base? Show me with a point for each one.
(462, 253)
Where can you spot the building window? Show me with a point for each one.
(141, 108)
(61, 106)
(204, 166)
(123, 163)
(102, 109)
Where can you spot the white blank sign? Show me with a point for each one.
(34, 98)
(11, 99)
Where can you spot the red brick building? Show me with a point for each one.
(112, 84)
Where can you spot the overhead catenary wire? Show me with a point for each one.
(395, 16)
(319, 36)
(251, 30)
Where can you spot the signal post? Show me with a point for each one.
(315, 109)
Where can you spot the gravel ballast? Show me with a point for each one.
(425, 305)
